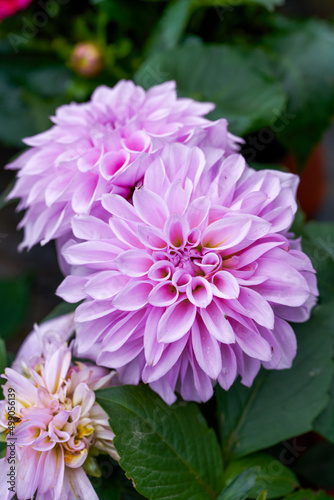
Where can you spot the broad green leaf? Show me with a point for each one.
(168, 451)
(318, 242)
(113, 485)
(60, 310)
(171, 26)
(304, 53)
(316, 465)
(272, 475)
(14, 303)
(240, 487)
(324, 424)
(239, 82)
(280, 404)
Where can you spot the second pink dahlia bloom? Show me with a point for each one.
(193, 282)
(51, 422)
(95, 148)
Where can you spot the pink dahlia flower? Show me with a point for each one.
(194, 281)
(10, 7)
(53, 427)
(93, 147)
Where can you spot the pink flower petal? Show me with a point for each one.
(226, 233)
(225, 285)
(112, 162)
(87, 227)
(152, 237)
(72, 289)
(229, 367)
(151, 208)
(134, 263)
(133, 296)
(119, 207)
(153, 348)
(256, 307)
(199, 292)
(163, 294)
(177, 229)
(104, 285)
(217, 323)
(83, 196)
(206, 349)
(252, 343)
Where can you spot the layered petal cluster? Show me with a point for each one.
(53, 426)
(10, 7)
(96, 148)
(193, 280)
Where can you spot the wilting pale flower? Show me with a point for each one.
(92, 148)
(53, 427)
(44, 340)
(10, 7)
(193, 282)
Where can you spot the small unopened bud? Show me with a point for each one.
(87, 59)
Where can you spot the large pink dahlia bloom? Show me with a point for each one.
(194, 281)
(52, 424)
(95, 148)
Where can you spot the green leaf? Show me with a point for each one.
(14, 303)
(3, 356)
(305, 65)
(280, 404)
(324, 424)
(263, 495)
(316, 465)
(318, 243)
(113, 485)
(60, 310)
(168, 451)
(171, 26)
(272, 475)
(239, 82)
(240, 487)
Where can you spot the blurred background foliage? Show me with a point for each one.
(268, 65)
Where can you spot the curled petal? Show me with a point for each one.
(163, 295)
